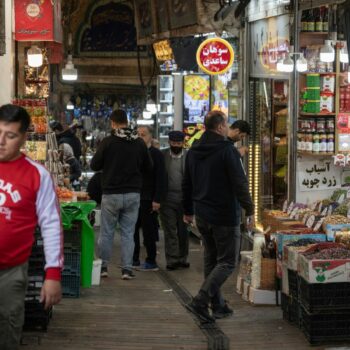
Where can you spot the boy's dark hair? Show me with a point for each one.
(213, 119)
(119, 116)
(242, 126)
(12, 114)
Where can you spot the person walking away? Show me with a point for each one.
(214, 186)
(27, 199)
(237, 132)
(171, 212)
(153, 191)
(123, 157)
(67, 157)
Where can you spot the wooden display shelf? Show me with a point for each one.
(303, 114)
(314, 33)
(319, 154)
(320, 73)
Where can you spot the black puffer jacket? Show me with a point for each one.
(215, 185)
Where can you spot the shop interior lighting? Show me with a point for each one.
(146, 114)
(343, 55)
(145, 122)
(327, 52)
(301, 64)
(69, 72)
(288, 64)
(35, 57)
(280, 66)
(151, 106)
(70, 106)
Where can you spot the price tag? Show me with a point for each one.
(306, 216)
(290, 208)
(294, 213)
(318, 224)
(310, 221)
(285, 206)
(324, 211)
(330, 210)
(341, 198)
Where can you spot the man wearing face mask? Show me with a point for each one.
(171, 212)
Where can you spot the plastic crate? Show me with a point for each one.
(72, 263)
(321, 297)
(332, 326)
(37, 321)
(291, 309)
(72, 237)
(70, 285)
(293, 283)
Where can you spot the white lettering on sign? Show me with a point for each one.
(33, 10)
(318, 175)
(7, 188)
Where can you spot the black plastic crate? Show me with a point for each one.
(328, 296)
(293, 283)
(290, 309)
(37, 322)
(70, 285)
(321, 327)
(72, 237)
(72, 263)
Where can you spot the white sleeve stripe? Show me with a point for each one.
(48, 213)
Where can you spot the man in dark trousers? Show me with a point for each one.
(123, 157)
(153, 191)
(171, 211)
(214, 187)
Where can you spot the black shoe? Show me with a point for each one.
(200, 311)
(127, 275)
(184, 265)
(172, 267)
(104, 271)
(221, 311)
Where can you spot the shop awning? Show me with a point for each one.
(38, 20)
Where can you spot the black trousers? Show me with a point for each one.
(148, 222)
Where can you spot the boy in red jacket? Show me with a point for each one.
(27, 199)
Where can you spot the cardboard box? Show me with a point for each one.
(290, 256)
(323, 271)
(331, 229)
(283, 239)
(285, 284)
(246, 288)
(263, 297)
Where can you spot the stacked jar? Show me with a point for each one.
(316, 135)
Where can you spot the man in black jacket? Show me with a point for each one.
(153, 191)
(214, 187)
(123, 157)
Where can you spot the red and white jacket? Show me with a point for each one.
(28, 198)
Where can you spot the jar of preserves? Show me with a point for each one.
(315, 143)
(308, 142)
(321, 125)
(323, 143)
(330, 125)
(330, 143)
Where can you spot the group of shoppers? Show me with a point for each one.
(207, 184)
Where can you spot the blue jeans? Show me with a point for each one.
(122, 209)
(221, 253)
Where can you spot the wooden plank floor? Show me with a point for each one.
(145, 314)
